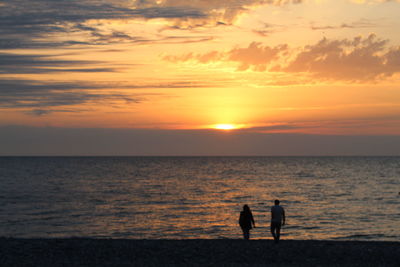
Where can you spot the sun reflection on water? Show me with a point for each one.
(201, 197)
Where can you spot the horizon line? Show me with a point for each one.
(198, 156)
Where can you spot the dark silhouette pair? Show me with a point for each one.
(278, 219)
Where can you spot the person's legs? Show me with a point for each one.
(273, 230)
(278, 233)
(246, 233)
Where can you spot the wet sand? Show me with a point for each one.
(228, 252)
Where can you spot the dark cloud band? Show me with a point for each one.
(30, 24)
(41, 97)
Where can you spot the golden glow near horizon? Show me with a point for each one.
(225, 127)
(323, 67)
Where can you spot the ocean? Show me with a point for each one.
(325, 198)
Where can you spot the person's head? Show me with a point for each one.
(246, 208)
(277, 202)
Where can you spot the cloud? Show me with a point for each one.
(255, 56)
(202, 58)
(373, 1)
(20, 140)
(352, 25)
(97, 36)
(359, 59)
(278, 127)
(268, 29)
(41, 98)
(40, 112)
(34, 24)
(215, 12)
(11, 63)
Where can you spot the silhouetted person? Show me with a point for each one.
(246, 221)
(277, 220)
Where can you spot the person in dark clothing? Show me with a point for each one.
(246, 221)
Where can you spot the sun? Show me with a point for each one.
(225, 127)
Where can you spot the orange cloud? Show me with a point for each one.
(357, 60)
(255, 56)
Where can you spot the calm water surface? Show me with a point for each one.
(199, 197)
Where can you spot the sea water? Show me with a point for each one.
(335, 198)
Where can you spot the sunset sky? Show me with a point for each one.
(243, 71)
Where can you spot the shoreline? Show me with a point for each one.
(198, 252)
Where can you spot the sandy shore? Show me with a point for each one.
(123, 252)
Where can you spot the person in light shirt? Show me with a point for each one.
(277, 220)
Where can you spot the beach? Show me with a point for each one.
(199, 252)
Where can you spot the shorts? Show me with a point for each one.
(275, 225)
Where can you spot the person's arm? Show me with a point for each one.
(283, 217)
(252, 220)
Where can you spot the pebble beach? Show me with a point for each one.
(200, 252)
